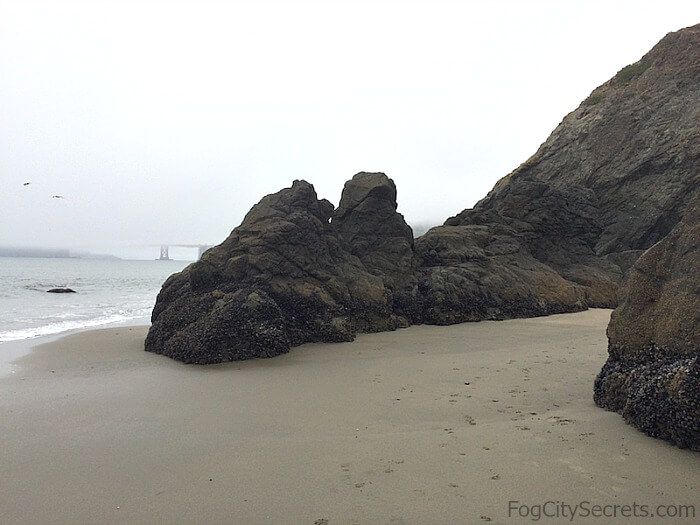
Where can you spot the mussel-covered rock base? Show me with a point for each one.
(652, 376)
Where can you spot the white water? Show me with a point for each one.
(108, 291)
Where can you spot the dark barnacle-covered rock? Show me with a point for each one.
(282, 278)
(652, 376)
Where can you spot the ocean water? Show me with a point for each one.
(108, 291)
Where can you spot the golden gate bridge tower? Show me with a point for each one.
(164, 249)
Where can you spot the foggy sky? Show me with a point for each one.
(164, 122)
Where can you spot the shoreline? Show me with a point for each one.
(11, 351)
(439, 424)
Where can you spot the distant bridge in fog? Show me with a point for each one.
(164, 249)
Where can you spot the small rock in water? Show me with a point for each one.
(61, 290)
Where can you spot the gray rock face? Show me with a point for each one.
(634, 144)
(652, 376)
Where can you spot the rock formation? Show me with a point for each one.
(366, 219)
(634, 143)
(528, 254)
(611, 180)
(282, 278)
(556, 235)
(652, 376)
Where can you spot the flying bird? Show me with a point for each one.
(57, 197)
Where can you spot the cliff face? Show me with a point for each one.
(554, 236)
(652, 376)
(613, 178)
(634, 143)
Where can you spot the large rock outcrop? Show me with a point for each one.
(652, 376)
(298, 271)
(556, 235)
(282, 278)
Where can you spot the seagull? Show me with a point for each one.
(57, 197)
(26, 184)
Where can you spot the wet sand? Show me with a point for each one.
(423, 425)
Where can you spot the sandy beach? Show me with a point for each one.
(423, 425)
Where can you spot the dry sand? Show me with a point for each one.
(423, 425)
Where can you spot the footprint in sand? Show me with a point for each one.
(321, 521)
(470, 420)
(389, 468)
(561, 420)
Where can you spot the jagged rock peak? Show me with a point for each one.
(367, 220)
(364, 185)
(301, 196)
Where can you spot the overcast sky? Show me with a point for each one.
(164, 122)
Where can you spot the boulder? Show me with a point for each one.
(282, 278)
(652, 375)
